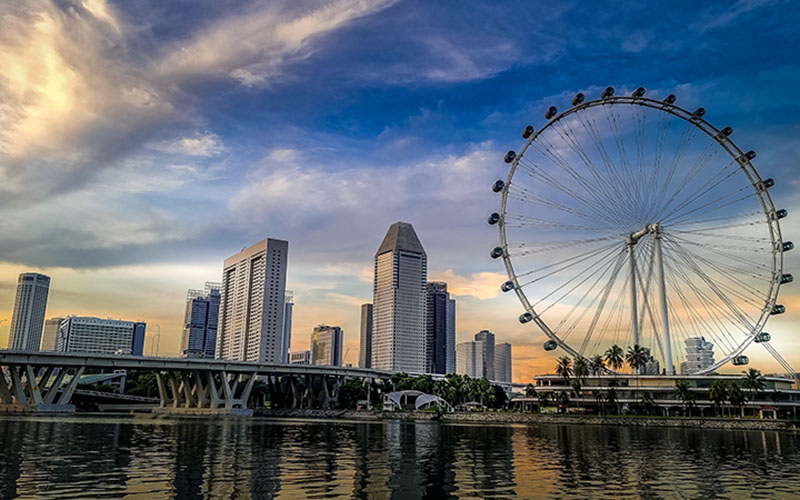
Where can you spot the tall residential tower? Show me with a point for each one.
(201, 322)
(253, 303)
(439, 329)
(365, 348)
(27, 319)
(398, 306)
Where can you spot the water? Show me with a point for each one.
(140, 457)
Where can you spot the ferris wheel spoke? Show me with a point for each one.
(569, 262)
(709, 207)
(687, 136)
(711, 183)
(718, 219)
(522, 194)
(603, 299)
(549, 246)
(698, 166)
(673, 239)
(614, 125)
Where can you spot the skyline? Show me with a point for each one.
(206, 154)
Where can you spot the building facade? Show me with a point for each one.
(502, 362)
(699, 355)
(101, 336)
(487, 338)
(288, 307)
(439, 324)
(253, 301)
(450, 364)
(27, 319)
(50, 334)
(326, 345)
(398, 305)
(365, 346)
(300, 357)
(469, 359)
(201, 321)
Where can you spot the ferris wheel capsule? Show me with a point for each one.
(778, 309)
(741, 360)
(786, 278)
(551, 112)
(507, 286)
(527, 132)
(670, 99)
(787, 245)
(509, 157)
(780, 214)
(525, 317)
(639, 92)
(608, 92)
(762, 337)
(496, 252)
(498, 186)
(494, 218)
(550, 345)
(578, 99)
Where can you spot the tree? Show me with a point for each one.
(563, 400)
(611, 398)
(649, 403)
(636, 358)
(530, 391)
(614, 357)
(576, 388)
(718, 393)
(600, 398)
(564, 368)
(737, 397)
(401, 381)
(544, 400)
(753, 382)
(351, 392)
(596, 364)
(423, 383)
(684, 393)
(259, 394)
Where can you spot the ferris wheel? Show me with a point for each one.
(628, 220)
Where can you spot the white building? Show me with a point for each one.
(699, 355)
(469, 358)
(398, 315)
(488, 353)
(252, 309)
(287, 324)
(100, 336)
(326, 345)
(502, 362)
(30, 305)
(300, 357)
(50, 334)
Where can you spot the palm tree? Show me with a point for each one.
(564, 368)
(611, 398)
(563, 400)
(753, 382)
(737, 397)
(581, 368)
(544, 400)
(637, 358)
(596, 364)
(600, 398)
(718, 393)
(685, 394)
(530, 391)
(576, 387)
(614, 357)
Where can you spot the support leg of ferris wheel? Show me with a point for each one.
(632, 281)
(662, 292)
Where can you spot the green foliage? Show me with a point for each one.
(753, 381)
(684, 392)
(718, 393)
(530, 391)
(636, 357)
(597, 365)
(614, 357)
(352, 391)
(564, 368)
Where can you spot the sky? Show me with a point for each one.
(143, 142)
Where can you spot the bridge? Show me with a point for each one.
(44, 382)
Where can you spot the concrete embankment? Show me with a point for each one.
(485, 418)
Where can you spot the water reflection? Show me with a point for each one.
(112, 457)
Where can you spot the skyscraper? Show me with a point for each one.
(488, 355)
(365, 347)
(398, 319)
(326, 345)
(201, 321)
(469, 359)
(451, 337)
(100, 336)
(288, 306)
(253, 303)
(502, 362)
(50, 334)
(27, 319)
(439, 326)
(699, 355)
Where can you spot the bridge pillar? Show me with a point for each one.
(21, 390)
(204, 392)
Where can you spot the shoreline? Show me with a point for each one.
(720, 423)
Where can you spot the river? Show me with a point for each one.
(87, 456)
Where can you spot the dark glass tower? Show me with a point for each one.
(437, 326)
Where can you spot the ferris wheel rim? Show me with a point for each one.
(727, 144)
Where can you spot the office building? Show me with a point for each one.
(201, 321)
(398, 305)
(300, 357)
(450, 364)
(253, 303)
(699, 355)
(50, 334)
(365, 347)
(487, 338)
(439, 326)
(288, 306)
(27, 319)
(469, 359)
(101, 336)
(502, 362)
(326, 345)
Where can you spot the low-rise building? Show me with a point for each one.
(101, 336)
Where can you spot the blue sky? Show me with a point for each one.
(143, 142)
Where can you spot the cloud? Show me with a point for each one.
(484, 285)
(199, 144)
(252, 47)
(719, 20)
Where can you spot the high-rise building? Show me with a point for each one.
(201, 321)
(365, 348)
(398, 305)
(699, 355)
(469, 359)
(100, 336)
(326, 345)
(300, 357)
(502, 362)
(288, 306)
(50, 334)
(488, 355)
(27, 319)
(451, 337)
(253, 303)
(439, 326)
